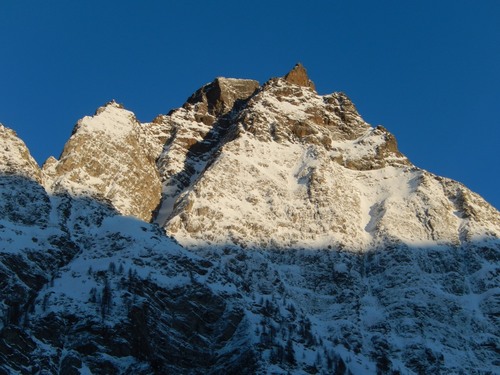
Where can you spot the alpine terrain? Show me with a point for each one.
(258, 229)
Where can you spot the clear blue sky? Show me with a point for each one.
(429, 71)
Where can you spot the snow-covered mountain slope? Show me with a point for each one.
(275, 232)
(304, 170)
(197, 131)
(296, 196)
(15, 158)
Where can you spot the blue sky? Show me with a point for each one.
(429, 71)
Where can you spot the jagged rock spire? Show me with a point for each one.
(298, 76)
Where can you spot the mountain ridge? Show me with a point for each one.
(257, 229)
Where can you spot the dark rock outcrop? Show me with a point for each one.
(218, 98)
(298, 76)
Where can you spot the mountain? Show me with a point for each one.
(258, 229)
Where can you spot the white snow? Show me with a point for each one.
(110, 120)
(392, 256)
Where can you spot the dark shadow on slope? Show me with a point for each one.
(33, 248)
(33, 245)
(373, 301)
(165, 328)
(392, 304)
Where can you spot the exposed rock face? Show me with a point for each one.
(108, 158)
(298, 76)
(218, 98)
(198, 129)
(299, 240)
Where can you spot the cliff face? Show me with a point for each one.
(257, 229)
(108, 157)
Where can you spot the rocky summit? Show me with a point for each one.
(258, 229)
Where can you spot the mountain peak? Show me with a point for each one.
(301, 241)
(298, 76)
(113, 103)
(16, 158)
